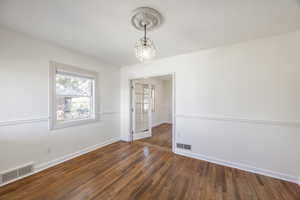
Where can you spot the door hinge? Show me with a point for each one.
(132, 110)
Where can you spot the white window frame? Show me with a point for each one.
(59, 67)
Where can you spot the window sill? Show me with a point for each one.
(68, 124)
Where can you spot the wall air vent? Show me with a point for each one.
(184, 146)
(15, 173)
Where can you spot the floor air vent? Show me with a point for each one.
(184, 146)
(15, 173)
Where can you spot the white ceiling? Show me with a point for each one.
(102, 29)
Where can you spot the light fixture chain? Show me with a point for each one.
(145, 34)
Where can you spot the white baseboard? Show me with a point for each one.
(43, 166)
(138, 136)
(240, 166)
(160, 123)
(76, 154)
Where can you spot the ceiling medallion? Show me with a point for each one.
(145, 19)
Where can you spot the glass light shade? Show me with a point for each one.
(145, 50)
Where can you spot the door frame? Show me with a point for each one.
(172, 74)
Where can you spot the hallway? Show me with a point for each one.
(161, 137)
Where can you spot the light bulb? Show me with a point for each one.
(146, 52)
(145, 49)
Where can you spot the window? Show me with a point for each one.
(72, 96)
(146, 99)
(145, 96)
(153, 98)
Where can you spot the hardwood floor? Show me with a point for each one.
(161, 137)
(134, 171)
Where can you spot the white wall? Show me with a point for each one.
(163, 100)
(237, 105)
(24, 68)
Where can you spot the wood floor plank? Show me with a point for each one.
(161, 137)
(136, 171)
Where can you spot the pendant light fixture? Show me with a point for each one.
(145, 19)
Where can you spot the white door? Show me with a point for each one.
(141, 110)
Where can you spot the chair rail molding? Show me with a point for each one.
(24, 121)
(241, 120)
(31, 120)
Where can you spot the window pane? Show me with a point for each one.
(153, 99)
(72, 85)
(146, 107)
(72, 108)
(138, 99)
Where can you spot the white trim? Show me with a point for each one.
(244, 167)
(241, 120)
(24, 121)
(51, 91)
(76, 154)
(137, 136)
(65, 158)
(173, 112)
(160, 123)
(299, 181)
(16, 122)
(72, 70)
(77, 122)
(54, 68)
(84, 76)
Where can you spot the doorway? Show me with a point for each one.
(152, 110)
